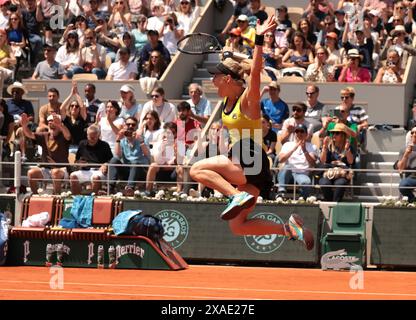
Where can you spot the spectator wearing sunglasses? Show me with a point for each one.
(353, 71)
(298, 117)
(315, 108)
(187, 14)
(241, 7)
(123, 69)
(274, 107)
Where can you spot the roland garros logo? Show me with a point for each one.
(176, 227)
(265, 243)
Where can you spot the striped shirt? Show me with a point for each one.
(357, 114)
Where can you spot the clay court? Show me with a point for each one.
(205, 283)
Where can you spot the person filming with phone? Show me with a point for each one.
(130, 149)
(392, 71)
(407, 161)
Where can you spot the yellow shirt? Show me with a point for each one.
(249, 33)
(4, 53)
(240, 126)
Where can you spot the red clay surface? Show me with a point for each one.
(205, 283)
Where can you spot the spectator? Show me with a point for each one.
(151, 130)
(320, 70)
(298, 156)
(130, 149)
(49, 69)
(17, 36)
(123, 69)
(200, 106)
(140, 33)
(54, 142)
(68, 54)
(269, 137)
(91, 151)
(298, 57)
(127, 41)
(316, 12)
(165, 109)
(274, 107)
(154, 44)
(357, 114)
(241, 7)
(298, 117)
(155, 67)
(258, 12)
(406, 161)
(138, 8)
(305, 28)
(329, 26)
(272, 55)
(93, 104)
(397, 41)
(335, 56)
(110, 124)
(107, 39)
(129, 106)
(6, 128)
(235, 43)
(364, 44)
(7, 58)
(16, 106)
(4, 14)
(337, 152)
(392, 71)
(52, 107)
(157, 19)
(32, 19)
(281, 39)
(74, 116)
(354, 72)
(187, 14)
(283, 17)
(120, 18)
(315, 108)
(92, 56)
(248, 33)
(164, 159)
(93, 13)
(171, 33)
(340, 20)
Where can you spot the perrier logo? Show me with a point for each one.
(176, 227)
(265, 243)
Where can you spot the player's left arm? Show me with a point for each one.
(250, 101)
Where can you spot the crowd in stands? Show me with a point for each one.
(140, 144)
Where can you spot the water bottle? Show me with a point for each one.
(60, 254)
(100, 257)
(49, 253)
(112, 257)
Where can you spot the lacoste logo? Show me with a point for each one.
(337, 260)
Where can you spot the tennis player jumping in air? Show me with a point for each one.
(247, 166)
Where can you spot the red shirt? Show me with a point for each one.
(184, 127)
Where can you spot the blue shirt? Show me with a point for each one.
(132, 153)
(203, 108)
(23, 106)
(277, 111)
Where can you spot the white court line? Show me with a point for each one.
(356, 292)
(127, 294)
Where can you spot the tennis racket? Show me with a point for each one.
(203, 43)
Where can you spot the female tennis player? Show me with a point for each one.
(247, 165)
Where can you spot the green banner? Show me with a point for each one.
(196, 231)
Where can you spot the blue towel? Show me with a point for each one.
(121, 221)
(81, 210)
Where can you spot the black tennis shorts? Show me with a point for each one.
(255, 163)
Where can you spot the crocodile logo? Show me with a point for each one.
(337, 260)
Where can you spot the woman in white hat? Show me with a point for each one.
(353, 72)
(246, 165)
(187, 14)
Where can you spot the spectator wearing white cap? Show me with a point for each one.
(248, 33)
(123, 69)
(129, 106)
(241, 7)
(397, 41)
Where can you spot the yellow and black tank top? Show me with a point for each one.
(240, 126)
